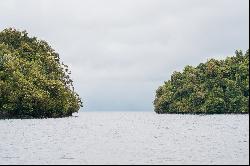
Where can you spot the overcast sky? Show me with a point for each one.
(120, 51)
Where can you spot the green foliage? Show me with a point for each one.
(33, 82)
(215, 87)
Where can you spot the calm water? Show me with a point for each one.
(126, 138)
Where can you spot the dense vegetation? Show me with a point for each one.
(214, 87)
(33, 81)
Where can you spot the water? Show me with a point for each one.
(126, 138)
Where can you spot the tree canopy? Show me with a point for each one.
(33, 81)
(214, 87)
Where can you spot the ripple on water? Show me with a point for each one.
(126, 138)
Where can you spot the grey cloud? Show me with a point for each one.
(120, 51)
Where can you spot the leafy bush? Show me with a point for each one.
(214, 87)
(33, 81)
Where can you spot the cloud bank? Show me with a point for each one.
(120, 51)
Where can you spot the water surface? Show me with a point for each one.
(126, 138)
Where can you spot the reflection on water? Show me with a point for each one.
(126, 138)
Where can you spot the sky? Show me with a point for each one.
(121, 51)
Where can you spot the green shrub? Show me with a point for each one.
(33, 81)
(214, 87)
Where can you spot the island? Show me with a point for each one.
(34, 83)
(214, 87)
